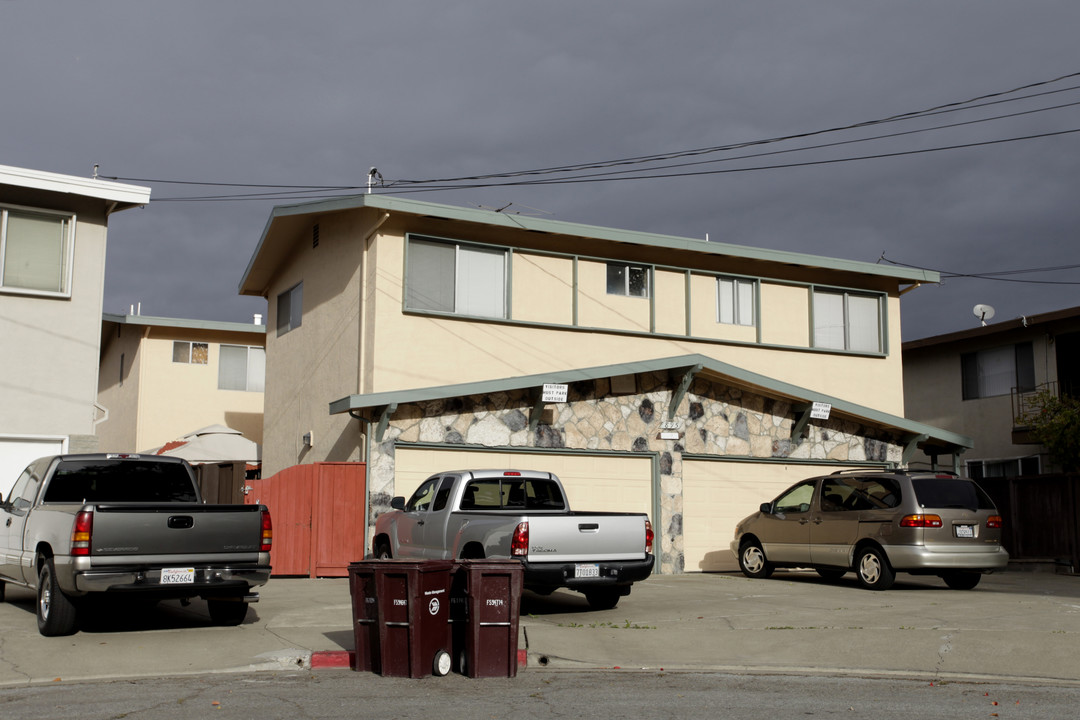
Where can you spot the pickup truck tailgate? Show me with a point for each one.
(586, 537)
(121, 531)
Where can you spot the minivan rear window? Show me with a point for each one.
(950, 492)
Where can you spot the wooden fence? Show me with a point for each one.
(1042, 517)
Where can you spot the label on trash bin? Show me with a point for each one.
(433, 606)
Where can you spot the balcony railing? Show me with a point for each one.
(1027, 402)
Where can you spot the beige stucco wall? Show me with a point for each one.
(118, 387)
(49, 351)
(318, 362)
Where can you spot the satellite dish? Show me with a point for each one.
(983, 312)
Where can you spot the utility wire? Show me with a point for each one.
(997, 275)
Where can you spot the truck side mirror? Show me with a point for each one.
(398, 503)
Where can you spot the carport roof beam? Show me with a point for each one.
(684, 386)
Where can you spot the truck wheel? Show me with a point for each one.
(227, 612)
(1, 591)
(382, 551)
(56, 612)
(603, 599)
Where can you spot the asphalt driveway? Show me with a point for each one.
(1019, 625)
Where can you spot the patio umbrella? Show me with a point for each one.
(212, 444)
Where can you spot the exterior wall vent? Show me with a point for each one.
(315, 236)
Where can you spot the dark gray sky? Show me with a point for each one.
(315, 93)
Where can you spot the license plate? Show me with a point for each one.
(965, 531)
(178, 576)
(586, 571)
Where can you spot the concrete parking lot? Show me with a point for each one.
(1018, 625)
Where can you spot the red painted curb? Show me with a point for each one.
(331, 659)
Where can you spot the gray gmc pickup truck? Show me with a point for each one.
(80, 525)
(522, 515)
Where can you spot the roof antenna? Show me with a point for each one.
(96, 166)
(372, 174)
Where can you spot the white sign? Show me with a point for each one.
(820, 411)
(554, 393)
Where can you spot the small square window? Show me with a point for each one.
(192, 353)
(735, 301)
(35, 251)
(628, 280)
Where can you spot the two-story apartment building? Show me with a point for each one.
(162, 378)
(980, 381)
(692, 380)
(52, 272)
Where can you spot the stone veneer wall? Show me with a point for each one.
(715, 419)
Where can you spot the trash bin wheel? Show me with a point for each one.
(442, 663)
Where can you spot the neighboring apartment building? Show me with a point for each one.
(979, 381)
(692, 380)
(52, 272)
(162, 378)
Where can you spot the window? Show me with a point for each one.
(847, 493)
(241, 368)
(423, 497)
(735, 301)
(35, 250)
(846, 321)
(290, 306)
(629, 280)
(796, 499)
(997, 371)
(451, 277)
(193, 353)
(1013, 467)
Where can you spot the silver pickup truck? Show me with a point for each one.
(523, 515)
(80, 525)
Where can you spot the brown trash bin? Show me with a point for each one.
(365, 656)
(486, 641)
(413, 602)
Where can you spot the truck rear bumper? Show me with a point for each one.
(207, 581)
(568, 575)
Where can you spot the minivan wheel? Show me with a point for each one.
(873, 569)
(831, 573)
(752, 561)
(960, 580)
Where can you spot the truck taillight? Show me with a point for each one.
(267, 532)
(81, 532)
(923, 521)
(648, 537)
(995, 521)
(519, 546)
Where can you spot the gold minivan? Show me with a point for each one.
(876, 523)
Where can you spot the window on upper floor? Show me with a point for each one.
(996, 371)
(735, 301)
(35, 251)
(193, 353)
(847, 321)
(290, 307)
(629, 280)
(241, 367)
(452, 277)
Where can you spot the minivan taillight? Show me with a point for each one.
(923, 521)
(648, 537)
(995, 521)
(267, 532)
(519, 546)
(81, 532)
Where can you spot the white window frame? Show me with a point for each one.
(190, 352)
(486, 297)
(68, 250)
(628, 268)
(825, 336)
(249, 386)
(735, 311)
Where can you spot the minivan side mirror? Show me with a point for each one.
(398, 503)
(766, 508)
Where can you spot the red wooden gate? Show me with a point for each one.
(318, 515)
